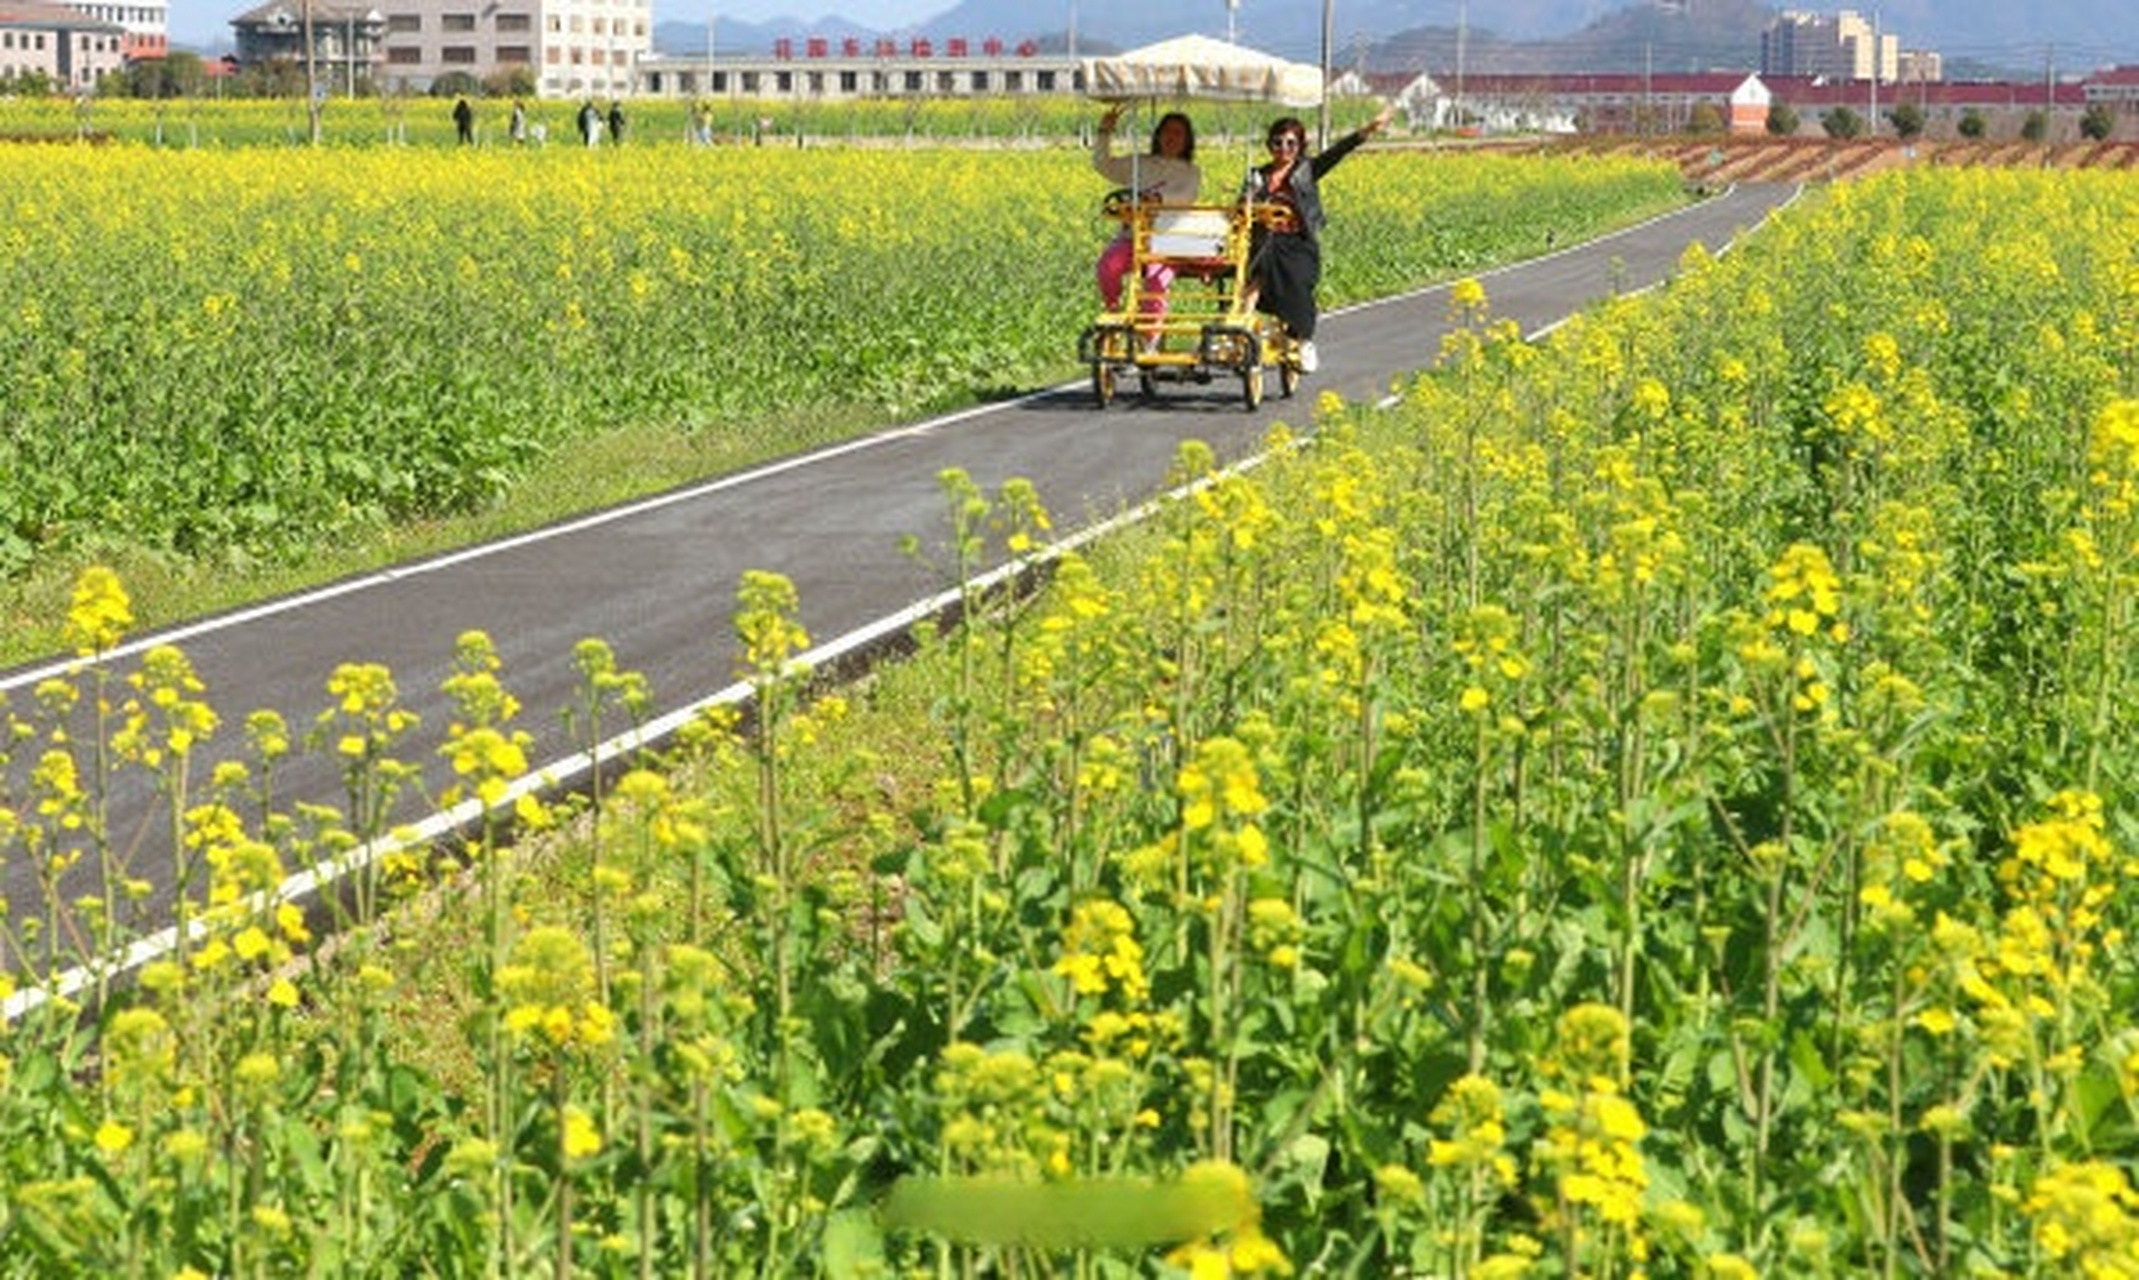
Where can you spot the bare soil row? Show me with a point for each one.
(1709, 160)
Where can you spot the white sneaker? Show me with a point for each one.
(1306, 358)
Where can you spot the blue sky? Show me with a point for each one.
(881, 14)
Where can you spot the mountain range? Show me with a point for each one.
(1976, 37)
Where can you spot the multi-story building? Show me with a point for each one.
(571, 48)
(66, 47)
(1839, 46)
(147, 23)
(345, 40)
(1921, 66)
(2117, 90)
(818, 69)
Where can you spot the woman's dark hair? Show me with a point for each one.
(1188, 152)
(1287, 124)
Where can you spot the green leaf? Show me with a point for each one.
(853, 1245)
(2099, 1113)
(1121, 1213)
(1307, 1160)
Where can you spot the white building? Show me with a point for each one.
(572, 48)
(66, 47)
(1840, 46)
(822, 71)
(147, 23)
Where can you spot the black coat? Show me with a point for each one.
(1305, 197)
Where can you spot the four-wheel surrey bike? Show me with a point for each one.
(1208, 327)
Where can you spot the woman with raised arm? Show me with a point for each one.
(1167, 174)
(1285, 260)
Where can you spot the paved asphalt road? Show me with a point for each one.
(657, 579)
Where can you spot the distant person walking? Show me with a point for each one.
(616, 124)
(464, 121)
(590, 123)
(519, 123)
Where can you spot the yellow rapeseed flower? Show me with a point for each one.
(548, 985)
(258, 1070)
(581, 1137)
(765, 621)
(2113, 449)
(113, 1138)
(100, 614)
(184, 1146)
(1100, 951)
(2085, 1216)
(1396, 1183)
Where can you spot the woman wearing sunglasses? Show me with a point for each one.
(1285, 261)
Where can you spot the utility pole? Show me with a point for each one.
(1329, 20)
(1878, 64)
(311, 75)
(1648, 79)
(1463, 36)
(2049, 87)
(1232, 11)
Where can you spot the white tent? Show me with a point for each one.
(1201, 67)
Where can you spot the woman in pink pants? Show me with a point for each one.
(1167, 174)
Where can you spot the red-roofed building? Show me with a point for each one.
(2118, 87)
(1620, 103)
(1750, 104)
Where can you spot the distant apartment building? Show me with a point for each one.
(819, 69)
(1921, 66)
(571, 48)
(147, 23)
(345, 41)
(2116, 87)
(1838, 46)
(66, 47)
